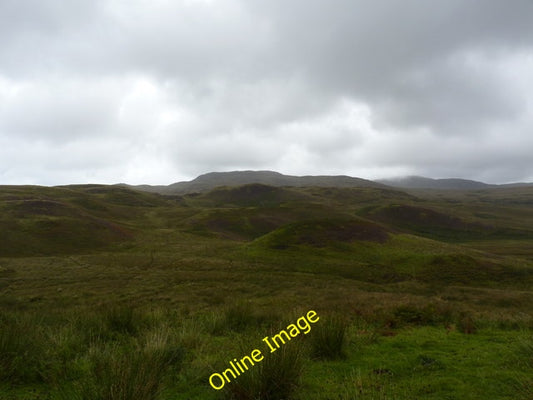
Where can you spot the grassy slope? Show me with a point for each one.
(283, 251)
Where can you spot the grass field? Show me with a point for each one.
(109, 293)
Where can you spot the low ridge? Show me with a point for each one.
(420, 182)
(212, 180)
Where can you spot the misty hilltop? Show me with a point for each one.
(420, 182)
(211, 180)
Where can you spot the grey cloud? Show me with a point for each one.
(39, 37)
(58, 111)
(50, 17)
(452, 97)
(196, 85)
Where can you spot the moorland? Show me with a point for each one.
(111, 292)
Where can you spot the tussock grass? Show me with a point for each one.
(98, 325)
(526, 349)
(235, 317)
(408, 293)
(276, 377)
(67, 345)
(523, 381)
(427, 314)
(524, 387)
(328, 340)
(372, 387)
(466, 323)
(122, 319)
(132, 372)
(22, 350)
(238, 316)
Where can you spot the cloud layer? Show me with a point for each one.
(160, 91)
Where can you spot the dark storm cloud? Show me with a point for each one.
(178, 88)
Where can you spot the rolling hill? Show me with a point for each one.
(420, 182)
(212, 180)
(110, 278)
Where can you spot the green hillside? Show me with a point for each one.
(106, 291)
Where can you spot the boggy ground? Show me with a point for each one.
(107, 293)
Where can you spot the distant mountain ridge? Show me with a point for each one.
(211, 180)
(420, 182)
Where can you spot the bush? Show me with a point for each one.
(328, 339)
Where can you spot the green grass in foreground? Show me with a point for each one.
(171, 356)
(106, 293)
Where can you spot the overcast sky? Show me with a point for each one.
(155, 91)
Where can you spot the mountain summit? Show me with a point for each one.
(211, 180)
